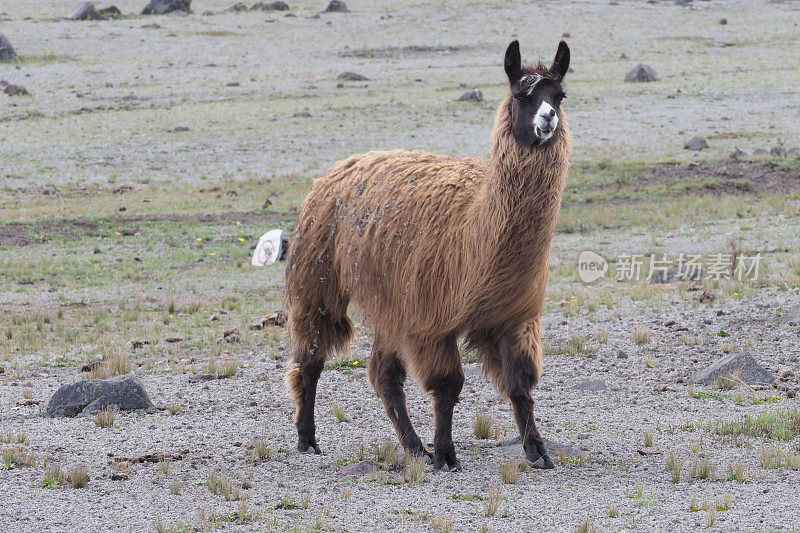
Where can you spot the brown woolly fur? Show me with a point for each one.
(433, 248)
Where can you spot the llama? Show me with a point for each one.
(436, 249)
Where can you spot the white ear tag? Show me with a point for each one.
(268, 249)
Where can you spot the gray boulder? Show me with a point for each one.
(337, 6)
(742, 365)
(161, 7)
(475, 95)
(270, 6)
(641, 73)
(90, 395)
(696, 144)
(351, 76)
(7, 52)
(84, 11)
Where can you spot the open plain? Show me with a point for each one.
(151, 152)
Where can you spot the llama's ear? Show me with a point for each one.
(561, 61)
(513, 62)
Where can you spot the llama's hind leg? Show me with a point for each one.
(312, 341)
(515, 365)
(387, 373)
(439, 369)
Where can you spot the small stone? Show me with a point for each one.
(723, 21)
(475, 95)
(151, 26)
(337, 6)
(270, 6)
(760, 151)
(359, 469)
(239, 6)
(566, 35)
(84, 11)
(779, 151)
(7, 52)
(231, 336)
(696, 144)
(737, 153)
(593, 385)
(705, 298)
(641, 73)
(351, 76)
(110, 12)
(302, 114)
(13, 90)
(743, 365)
(162, 7)
(582, 436)
(623, 55)
(621, 354)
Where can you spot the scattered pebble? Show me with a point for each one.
(697, 144)
(641, 73)
(351, 76)
(475, 95)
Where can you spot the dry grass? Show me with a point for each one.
(224, 487)
(702, 469)
(586, 526)
(509, 472)
(641, 336)
(492, 501)
(175, 487)
(648, 439)
(340, 413)
(388, 454)
(483, 427)
(736, 471)
(413, 469)
(104, 418)
(17, 456)
(443, 524)
(78, 477)
(674, 466)
(52, 476)
(261, 450)
(10, 437)
(613, 512)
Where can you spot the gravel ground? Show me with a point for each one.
(105, 100)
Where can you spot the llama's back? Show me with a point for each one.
(384, 226)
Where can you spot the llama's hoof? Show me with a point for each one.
(445, 466)
(542, 463)
(304, 447)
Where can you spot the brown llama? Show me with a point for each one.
(435, 249)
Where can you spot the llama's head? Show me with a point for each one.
(536, 95)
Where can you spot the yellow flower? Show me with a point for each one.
(355, 363)
(241, 240)
(199, 239)
(172, 316)
(238, 223)
(117, 233)
(213, 253)
(736, 294)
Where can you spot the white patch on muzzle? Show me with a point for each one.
(545, 122)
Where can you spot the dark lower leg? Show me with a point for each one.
(306, 430)
(445, 391)
(532, 442)
(389, 385)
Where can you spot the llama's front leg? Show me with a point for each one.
(387, 373)
(444, 382)
(516, 366)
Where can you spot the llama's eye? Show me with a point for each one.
(560, 97)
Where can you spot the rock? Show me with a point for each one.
(742, 365)
(337, 6)
(723, 21)
(359, 469)
(671, 275)
(139, 344)
(230, 336)
(593, 385)
(760, 151)
(566, 35)
(84, 11)
(696, 144)
(302, 114)
(475, 95)
(737, 153)
(151, 26)
(641, 73)
(621, 354)
(270, 6)
(90, 395)
(779, 151)
(13, 90)
(110, 12)
(238, 7)
(623, 55)
(197, 378)
(275, 319)
(162, 7)
(351, 76)
(7, 52)
(794, 152)
(705, 297)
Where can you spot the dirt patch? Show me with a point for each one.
(731, 177)
(14, 235)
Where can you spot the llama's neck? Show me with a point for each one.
(523, 193)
